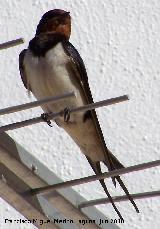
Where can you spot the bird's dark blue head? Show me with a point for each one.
(55, 21)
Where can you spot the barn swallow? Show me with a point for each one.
(51, 65)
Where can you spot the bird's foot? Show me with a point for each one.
(46, 118)
(67, 111)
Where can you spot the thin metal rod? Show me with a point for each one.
(135, 196)
(12, 43)
(61, 113)
(25, 106)
(96, 177)
(102, 103)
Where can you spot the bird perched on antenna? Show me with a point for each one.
(51, 65)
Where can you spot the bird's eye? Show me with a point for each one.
(56, 22)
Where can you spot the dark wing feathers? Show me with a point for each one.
(110, 160)
(21, 67)
(76, 58)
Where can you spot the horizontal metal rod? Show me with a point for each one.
(107, 102)
(141, 195)
(96, 177)
(61, 113)
(12, 43)
(25, 106)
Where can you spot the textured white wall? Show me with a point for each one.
(120, 43)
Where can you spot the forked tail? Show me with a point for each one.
(115, 164)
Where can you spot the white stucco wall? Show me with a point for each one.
(120, 44)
